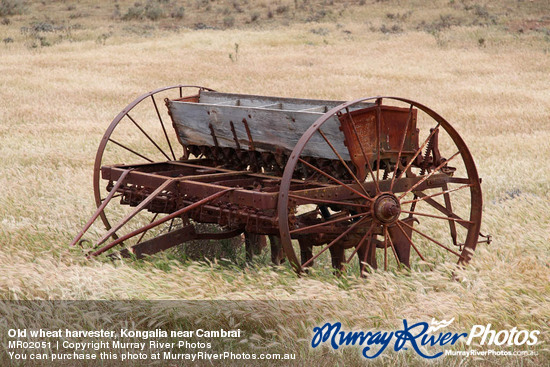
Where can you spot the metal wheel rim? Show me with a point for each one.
(475, 189)
(106, 136)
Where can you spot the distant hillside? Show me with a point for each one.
(48, 22)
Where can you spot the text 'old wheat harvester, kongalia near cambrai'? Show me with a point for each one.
(383, 178)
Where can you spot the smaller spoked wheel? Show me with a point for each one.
(383, 179)
(141, 133)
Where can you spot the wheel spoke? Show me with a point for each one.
(171, 224)
(410, 241)
(449, 206)
(361, 242)
(385, 248)
(315, 200)
(334, 179)
(393, 249)
(144, 233)
(431, 239)
(429, 175)
(411, 161)
(162, 125)
(378, 132)
(401, 147)
(147, 135)
(342, 161)
(130, 150)
(367, 250)
(437, 217)
(303, 229)
(436, 194)
(353, 226)
(363, 150)
(114, 196)
(443, 210)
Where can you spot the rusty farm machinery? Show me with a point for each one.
(383, 179)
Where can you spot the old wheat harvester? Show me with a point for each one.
(383, 178)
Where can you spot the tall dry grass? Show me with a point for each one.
(57, 101)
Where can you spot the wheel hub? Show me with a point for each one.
(386, 208)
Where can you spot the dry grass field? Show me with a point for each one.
(67, 69)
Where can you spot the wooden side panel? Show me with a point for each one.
(270, 129)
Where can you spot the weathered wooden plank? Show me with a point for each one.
(249, 100)
(321, 109)
(271, 128)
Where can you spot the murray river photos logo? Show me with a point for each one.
(421, 337)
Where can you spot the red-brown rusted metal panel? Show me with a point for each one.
(378, 130)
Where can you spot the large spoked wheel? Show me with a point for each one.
(409, 194)
(141, 133)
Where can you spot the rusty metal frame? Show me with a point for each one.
(247, 200)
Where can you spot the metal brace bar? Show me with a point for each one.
(101, 207)
(250, 140)
(141, 205)
(213, 133)
(235, 135)
(160, 221)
